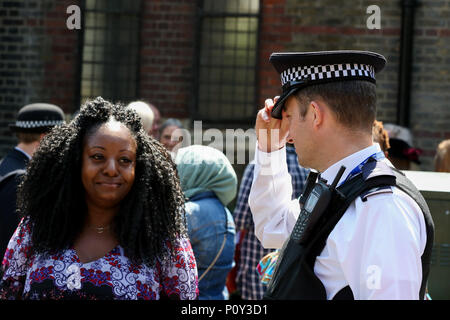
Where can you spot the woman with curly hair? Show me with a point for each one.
(103, 216)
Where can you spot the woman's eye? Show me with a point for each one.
(125, 160)
(97, 156)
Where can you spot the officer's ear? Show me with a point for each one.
(318, 113)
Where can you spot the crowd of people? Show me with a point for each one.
(109, 205)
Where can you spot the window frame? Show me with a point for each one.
(245, 122)
(132, 94)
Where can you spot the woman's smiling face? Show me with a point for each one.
(108, 164)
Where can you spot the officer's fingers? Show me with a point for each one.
(268, 105)
(276, 99)
(263, 115)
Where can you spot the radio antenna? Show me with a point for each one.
(338, 177)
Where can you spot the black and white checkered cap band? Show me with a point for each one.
(330, 71)
(38, 124)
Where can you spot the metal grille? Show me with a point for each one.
(226, 70)
(110, 54)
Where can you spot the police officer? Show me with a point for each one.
(380, 247)
(33, 122)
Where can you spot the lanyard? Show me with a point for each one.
(378, 156)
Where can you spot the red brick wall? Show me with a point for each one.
(289, 25)
(62, 58)
(39, 55)
(38, 59)
(275, 35)
(167, 51)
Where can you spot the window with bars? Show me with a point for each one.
(227, 60)
(110, 53)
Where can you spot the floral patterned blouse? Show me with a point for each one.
(114, 276)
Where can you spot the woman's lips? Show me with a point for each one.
(109, 184)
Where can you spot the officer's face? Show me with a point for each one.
(300, 131)
(108, 165)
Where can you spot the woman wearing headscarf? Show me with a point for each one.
(209, 183)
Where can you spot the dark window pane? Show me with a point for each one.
(227, 62)
(110, 50)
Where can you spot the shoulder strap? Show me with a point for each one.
(12, 173)
(373, 174)
(220, 250)
(377, 174)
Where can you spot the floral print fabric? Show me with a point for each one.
(114, 276)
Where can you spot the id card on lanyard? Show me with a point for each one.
(377, 156)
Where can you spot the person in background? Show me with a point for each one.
(380, 136)
(402, 154)
(209, 183)
(34, 121)
(247, 280)
(442, 158)
(146, 114)
(156, 122)
(169, 136)
(110, 225)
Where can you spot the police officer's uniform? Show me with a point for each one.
(33, 118)
(381, 245)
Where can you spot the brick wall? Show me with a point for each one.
(38, 59)
(430, 109)
(293, 25)
(168, 44)
(39, 55)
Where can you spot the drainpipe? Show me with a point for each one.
(406, 51)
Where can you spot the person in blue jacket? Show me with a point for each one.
(209, 183)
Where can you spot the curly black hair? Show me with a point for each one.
(51, 196)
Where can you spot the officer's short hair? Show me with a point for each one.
(28, 137)
(352, 102)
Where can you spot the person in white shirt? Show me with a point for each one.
(376, 248)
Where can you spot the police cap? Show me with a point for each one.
(38, 117)
(301, 69)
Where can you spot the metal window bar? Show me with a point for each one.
(227, 60)
(110, 49)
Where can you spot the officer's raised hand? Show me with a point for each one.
(271, 133)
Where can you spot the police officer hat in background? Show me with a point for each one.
(301, 69)
(38, 118)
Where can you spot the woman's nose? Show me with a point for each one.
(110, 168)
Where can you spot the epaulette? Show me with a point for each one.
(374, 191)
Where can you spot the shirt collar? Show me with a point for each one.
(350, 162)
(26, 154)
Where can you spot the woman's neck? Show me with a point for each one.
(100, 217)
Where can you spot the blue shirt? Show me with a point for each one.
(209, 223)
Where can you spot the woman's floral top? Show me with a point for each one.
(114, 276)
